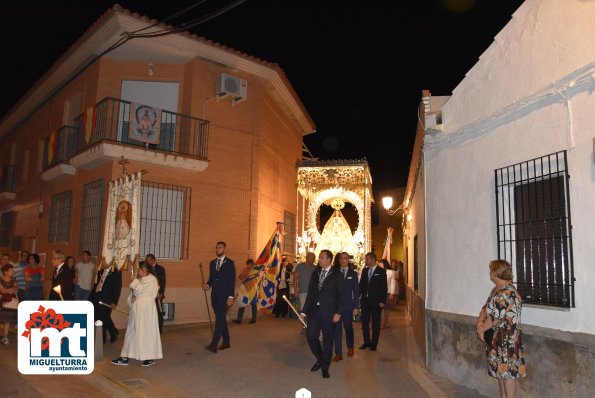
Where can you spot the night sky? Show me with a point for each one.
(359, 67)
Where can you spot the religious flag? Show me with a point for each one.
(387, 242)
(89, 123)
(146, 123)
(260, 285)
(52, 145)
(121, 236)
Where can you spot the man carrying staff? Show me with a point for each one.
(323, 307)
(222, 277)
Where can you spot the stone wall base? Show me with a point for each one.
(559, 364)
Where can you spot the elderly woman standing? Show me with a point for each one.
(142, 340)
(502, 315)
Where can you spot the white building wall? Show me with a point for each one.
(542, 53)
(545, 40)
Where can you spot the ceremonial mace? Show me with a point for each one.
(295, 311)
(206, 301)
(58, 289)
(109, 306)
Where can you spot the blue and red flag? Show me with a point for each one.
(260, 285)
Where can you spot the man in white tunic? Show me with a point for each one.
(142, 340)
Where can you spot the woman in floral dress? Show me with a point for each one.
(502, 314)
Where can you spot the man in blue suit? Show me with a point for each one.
(323, 308)
(350, 308)
(222, 281)
(373, 291)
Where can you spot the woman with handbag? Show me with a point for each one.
(9, 290)
(499, 326)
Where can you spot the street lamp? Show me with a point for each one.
(387, 203)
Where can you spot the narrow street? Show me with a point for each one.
(269, 358)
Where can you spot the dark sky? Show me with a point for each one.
(359, 67)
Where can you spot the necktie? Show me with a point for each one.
(218, 264)
(321, 280)
(344, 271)
(370, 272)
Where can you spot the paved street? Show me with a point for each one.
(269, 358)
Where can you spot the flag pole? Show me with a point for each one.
(206, 301)
(295, 311)
(116, 308)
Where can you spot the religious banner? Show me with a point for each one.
(122, 226)
(146, 123)
(387, 242)
(89, 123)
(52, 146)
(260, 285)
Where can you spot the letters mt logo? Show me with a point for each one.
(56, 337)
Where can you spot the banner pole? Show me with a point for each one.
(206, 301)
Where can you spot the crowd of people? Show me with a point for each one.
(368, 294)
(329, 296)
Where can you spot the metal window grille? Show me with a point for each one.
(534, 228)
(6, 220)
(165, 220)
(60, 211)
(289, 238)
(90, 234)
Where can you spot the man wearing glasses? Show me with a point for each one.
(61, 276)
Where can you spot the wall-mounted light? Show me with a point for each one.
(387, 203)
(150, 68)
(409, 217)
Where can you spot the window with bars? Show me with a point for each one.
(535, 229)
(6, 220)
(90, 233)
(289, 238)
(165, 220)
(60, 211)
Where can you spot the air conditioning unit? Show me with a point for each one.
(231, 86)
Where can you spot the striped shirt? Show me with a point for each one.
(19, 274)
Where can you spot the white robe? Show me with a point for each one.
(142, 340)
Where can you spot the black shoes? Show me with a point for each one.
(364, 346)
(373, 348)
(148, 362)
(315, 367)
(120, 361)
(325, 374)
(237, 321)
(253, 321)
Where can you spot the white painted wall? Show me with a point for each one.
(545, 40)
(548, 41)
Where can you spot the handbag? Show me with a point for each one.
(488, 335)
(12, 304)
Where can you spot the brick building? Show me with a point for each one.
(222, 170)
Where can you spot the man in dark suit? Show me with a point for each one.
(373, 290)
(160, 271)
(106, 289)
(323, 308)
(350, 308)
(222, 281)
(62, 277)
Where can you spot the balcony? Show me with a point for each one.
(8, 183)
(57, 151)
(105, 135)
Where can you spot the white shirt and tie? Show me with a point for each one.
(218, 265)
(370, 273)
